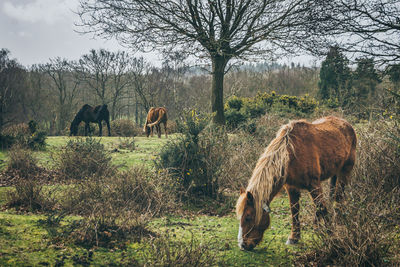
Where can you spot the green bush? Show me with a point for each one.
(234, 118)
(195, 157)
(235, 103)
(240, 111)
(82, 158)
(25, 135)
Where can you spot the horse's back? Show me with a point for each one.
(321, 149)
(155, 114)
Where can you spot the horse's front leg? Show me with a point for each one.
(100, 129)
(86, 128)
(294, 197)
(108, 127)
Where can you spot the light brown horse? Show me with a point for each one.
(301, 156)
(155, 117)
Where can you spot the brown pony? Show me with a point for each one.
(301, 156)
(155, 117)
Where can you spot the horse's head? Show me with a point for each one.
(250, 231)
(73, 129)
(147, 130)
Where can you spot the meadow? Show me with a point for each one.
(104, 227)
(26, 241)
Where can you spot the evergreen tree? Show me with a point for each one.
(365, 79)
(335, 76)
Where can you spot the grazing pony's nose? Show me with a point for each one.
(248, 247)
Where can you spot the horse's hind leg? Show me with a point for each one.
(332, 186)
(165, 129)
(158, 128)
(100, 129)
(294, 197)
(87, 129)
(344, 178)
(317, 197)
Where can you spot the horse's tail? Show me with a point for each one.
(270, 172)
(161, 115)
(148, 118)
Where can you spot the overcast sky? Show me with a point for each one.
(36, 30)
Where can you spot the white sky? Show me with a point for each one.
(36, 30)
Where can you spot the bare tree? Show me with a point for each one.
(94, 70)
(39, 99)
(367, 27)
(64, 85)
(106, 74)
(12, 86)
(219, 30)
(143, 95)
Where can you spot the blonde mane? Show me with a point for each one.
(269, 172)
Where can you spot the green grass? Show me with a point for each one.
(25, 242)
(145, 150)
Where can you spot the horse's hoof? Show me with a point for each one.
(291, 241)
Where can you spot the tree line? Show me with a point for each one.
(53, 92)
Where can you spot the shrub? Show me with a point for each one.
(240, 111)
(116, 208)
(126, 143)
(234, 118)
(235, 103)
(106, 230)
(194, 158)
(26, 135)
(82, 158)
(165, 252)
(137, 190)
(28, 194)
(124, 127)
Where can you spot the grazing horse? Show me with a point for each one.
(89, 114)
(155, 117)
(301, 156)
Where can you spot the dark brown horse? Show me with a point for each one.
(300, 157)
(89, 114)
(155, 117)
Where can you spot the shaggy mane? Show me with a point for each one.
(269, 172)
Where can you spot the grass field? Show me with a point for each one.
(24, 241)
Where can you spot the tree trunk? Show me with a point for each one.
(217, 87)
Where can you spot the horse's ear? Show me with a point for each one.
(250, 198)
(242, 190)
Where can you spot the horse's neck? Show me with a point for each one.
(77, 120)
(275, 190)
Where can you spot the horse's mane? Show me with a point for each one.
(81, 111)
(270, 171)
